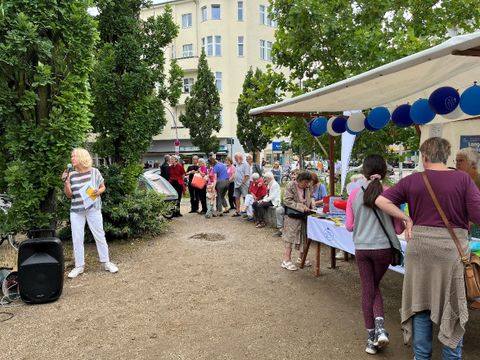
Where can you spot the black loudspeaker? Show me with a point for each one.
(40, 270)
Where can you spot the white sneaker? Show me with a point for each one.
(289, 266)
(75, 272)
(109, 266)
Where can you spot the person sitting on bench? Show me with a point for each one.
(272, 199)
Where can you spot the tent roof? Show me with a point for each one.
(456, 63)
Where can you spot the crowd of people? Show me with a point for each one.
(433, 287)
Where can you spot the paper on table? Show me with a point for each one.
(88, 197)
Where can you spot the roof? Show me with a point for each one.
(456, 63)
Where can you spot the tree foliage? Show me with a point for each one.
(203, 109)
(45, 59)
(129, 82)
(324, 41)
(255, 93)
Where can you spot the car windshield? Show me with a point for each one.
(157, 182)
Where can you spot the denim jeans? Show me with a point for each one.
(422, 340)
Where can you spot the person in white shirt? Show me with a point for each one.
(272, 199)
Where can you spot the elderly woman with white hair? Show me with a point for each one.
(467, 160)
(78, 183)
(271, 199)
(257, 191)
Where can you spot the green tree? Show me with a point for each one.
(203, 109)
(129, 81)
(250, 129)
(345, 38)
(45, 59)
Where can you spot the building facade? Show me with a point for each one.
(236, 35)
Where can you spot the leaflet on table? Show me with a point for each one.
(87, 194)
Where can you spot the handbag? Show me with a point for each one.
(198, 181)
(294, 214)
(471, 265)
(397, 254)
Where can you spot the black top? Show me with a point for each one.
(190, 176)
(165, 170)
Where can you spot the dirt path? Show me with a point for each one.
(178, 297)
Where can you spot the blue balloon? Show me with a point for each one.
(339, 124)
(368, 126)
(470, 100)
(378, 118)
(318, 126)
(444, 100)
(421, 113)
(401, 116)
(353, 132)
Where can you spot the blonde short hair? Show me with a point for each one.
(83, 157)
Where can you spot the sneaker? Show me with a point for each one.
(307, 262)
(289, 265)
(277, 233)
(75, 272)
(109, 266)
(371, 348)
(381, 335)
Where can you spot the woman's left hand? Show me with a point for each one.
(408, 229)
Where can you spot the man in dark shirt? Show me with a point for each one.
(194, 199)
(165, 168)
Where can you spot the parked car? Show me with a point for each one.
(409, 164)
(151, 180)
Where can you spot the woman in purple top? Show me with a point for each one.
(433, 287)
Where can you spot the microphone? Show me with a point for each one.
(69, 168)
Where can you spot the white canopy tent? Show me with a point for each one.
(456, 63)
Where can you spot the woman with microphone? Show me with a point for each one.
(84, 186)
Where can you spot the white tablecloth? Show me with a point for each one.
(326, 232)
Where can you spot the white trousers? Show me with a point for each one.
(248, 205)
(95, 222)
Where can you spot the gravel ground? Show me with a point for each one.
(209, 289)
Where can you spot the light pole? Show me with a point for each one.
(177, 141)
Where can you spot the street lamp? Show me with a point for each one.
(176, 143)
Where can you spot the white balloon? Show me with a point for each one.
(329, 127)
(356, 122)
(456, 114)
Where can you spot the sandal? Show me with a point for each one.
(235, 214)
(289, 265)
(260, 225)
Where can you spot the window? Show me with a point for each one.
(240, 46)
(173, 55)
(204, 13)
(216, 12)
(265, 50)
(187, 50)
(240, 10)
(263, 13)
(186, 21)
(212, 45)
(265, 18)
(218, 80)
(187, 85)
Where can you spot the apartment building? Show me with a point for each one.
(236, 35)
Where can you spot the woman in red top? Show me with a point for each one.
(177, 173)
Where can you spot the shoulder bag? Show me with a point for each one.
(397, 254)
(471, 265)
(295, 214)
